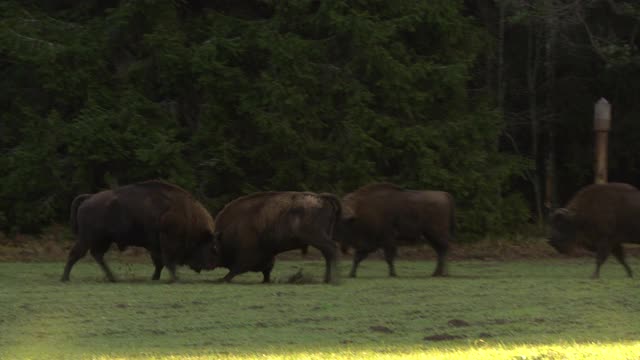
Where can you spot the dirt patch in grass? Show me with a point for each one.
(380, 328)
(56, 241)
(443, 337)
(458, 323)
(307, 320)
(299, 277)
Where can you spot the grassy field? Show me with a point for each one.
(543, 309)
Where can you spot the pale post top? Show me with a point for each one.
(602, 115)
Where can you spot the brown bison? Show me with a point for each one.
(384, 215)
(599, 218)
(251, 230)
(161, 217)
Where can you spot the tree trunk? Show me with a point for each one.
(533, 57)
(551, 27)
(500, 66)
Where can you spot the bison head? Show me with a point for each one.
(563, 230)
(205, 253)
(350, 232)
(343, 233)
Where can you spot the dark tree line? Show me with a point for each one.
(551, 60)
(484, 99)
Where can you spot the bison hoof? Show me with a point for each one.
(64, 279)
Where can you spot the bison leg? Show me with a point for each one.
(231, 274)
(99, 257)
(329, 251)
(618, 252)
(77, 252)
(357, 258)
(167, 259)
(266, 273)
(330, 264)
(389, 255)
(441, 249)
(601, 256)
(158, 263)
(172, 271)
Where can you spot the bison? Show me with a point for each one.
(252, 230)
(383, 215)
(156, 215)
(600, 218)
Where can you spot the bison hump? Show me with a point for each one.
(161, 185)
(383, 186)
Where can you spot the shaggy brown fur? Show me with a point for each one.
(599, 218)
(252, 229)
(384, 215)
(161, 217)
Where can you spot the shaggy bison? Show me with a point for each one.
(384, 215)
(599, 218)
(251, 230)
(161, 217)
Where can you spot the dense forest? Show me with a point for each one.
(491, 100)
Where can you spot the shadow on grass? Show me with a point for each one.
(249, 279)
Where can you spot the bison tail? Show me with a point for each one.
(335, 203)
(74, 210)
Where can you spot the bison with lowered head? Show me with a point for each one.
(251, 230)
(161, 217)
(600, 218)
(384, 215)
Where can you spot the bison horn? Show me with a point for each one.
(348, 213)
(562, 214)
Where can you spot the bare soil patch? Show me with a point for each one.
(56, 241)
(380, 328)
(458, 323)
(443, 337)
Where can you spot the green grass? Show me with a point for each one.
(546, 309)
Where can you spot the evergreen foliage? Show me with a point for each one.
(243, 96)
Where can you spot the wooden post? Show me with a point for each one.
(601, 127)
